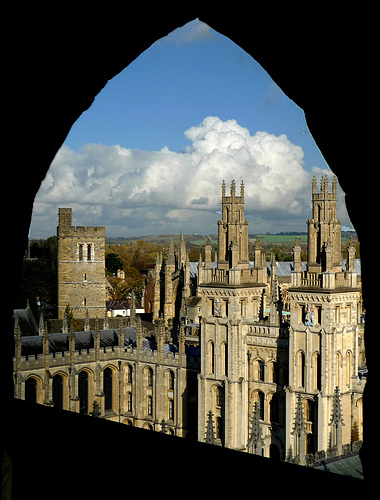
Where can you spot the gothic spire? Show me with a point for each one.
(121, 333)
(336, 415)
(17, 337)
(96, 335)
(255, 441)
(65, 327)
(86, 326)
(210, 434)
(336, 422)
(299, 421)
(41, 325)
(232, 189)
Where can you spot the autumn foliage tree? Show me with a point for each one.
(132, 259)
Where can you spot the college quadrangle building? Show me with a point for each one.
(262, 357)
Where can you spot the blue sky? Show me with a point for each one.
(150, 154)
(179, 81)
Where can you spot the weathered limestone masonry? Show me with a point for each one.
(280, 359)
(324, 357)
(131, 380)
(235, 297)
(81, 268)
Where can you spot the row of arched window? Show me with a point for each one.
(269, 372)
(86, 392)
(343, 370)
(222, 359)
(268, 407)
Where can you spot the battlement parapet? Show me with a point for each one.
(86, 356)
(89, 231)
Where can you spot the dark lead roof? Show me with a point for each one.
(59, 342)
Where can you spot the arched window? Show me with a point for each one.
(211, 355)
(260, 370)
(57, 386)
(223, 358)
(348, 367)
(301, 368)
(338, 369)
(258, 397)
(274, 408)
(31, 390)
(83, 392)
(219, 396)
(80, 252)
(317, 379)
(171, 380)
(275, 373)
(89, 252)
(108, 388)
(150, 377)
(129, 374)
(261, 404)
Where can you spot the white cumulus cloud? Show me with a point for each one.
(135, 192)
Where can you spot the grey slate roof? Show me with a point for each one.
(26, 321)
(59, 342)
(283, 268)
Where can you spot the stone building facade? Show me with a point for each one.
(133, 377)
(81, 267)
(324, 333)
(275, 346)
(258, 356)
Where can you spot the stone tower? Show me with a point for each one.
(81, 268)
(323, 334)
(232, 301)
(324, 230)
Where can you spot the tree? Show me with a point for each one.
(113, 262)
(38, 283)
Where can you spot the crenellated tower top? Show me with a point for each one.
(232, 229)
(324, 229)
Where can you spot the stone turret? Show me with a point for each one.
(157, 287)
(170, 267)
(81, 267)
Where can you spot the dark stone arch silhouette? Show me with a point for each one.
(58, 63)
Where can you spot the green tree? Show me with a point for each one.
(113, 262)
(38, 284)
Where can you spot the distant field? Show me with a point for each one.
(280, 238)
(203, 241)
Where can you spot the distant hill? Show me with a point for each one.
(200, 239)
(163, 239)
